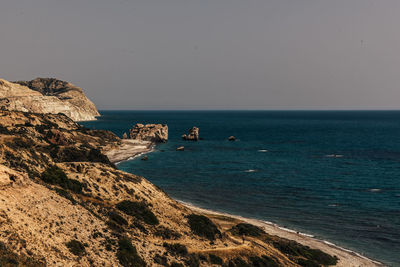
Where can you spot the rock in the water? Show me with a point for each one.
(193, 134)
(181, 148)
(149, 132)
(145, 158)
(124, 136)
(232, 138)
(47, 95)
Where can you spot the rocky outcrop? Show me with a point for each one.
(193, 134)
(47, 95)
(149, 132)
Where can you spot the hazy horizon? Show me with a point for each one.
(210, 55)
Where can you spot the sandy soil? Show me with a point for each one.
(129, 149)
(347, 258)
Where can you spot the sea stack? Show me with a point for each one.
(157, 133)
(193, 134)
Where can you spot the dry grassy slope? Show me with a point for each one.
(38, 218)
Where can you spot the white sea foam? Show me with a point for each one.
(250, 170)
(375, 190)
(262, 150)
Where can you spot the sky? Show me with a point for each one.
(209, 54)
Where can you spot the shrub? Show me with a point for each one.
(247, 229)
(238, 262)
(65, 194)
(117, 218)
(176, 264)
(114, 226)
(192, 260)
(162, 260)
(74, 154)
(9, 258)
(307, 263)
(166, 233)
(57, 176)
(214, 259)
(176, 249)
(138, 210)
(263, 261)
(127, 254)
(295, 249)
(203, 226)
(76, 247)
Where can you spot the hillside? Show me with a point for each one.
(63, 203)
(47, 95)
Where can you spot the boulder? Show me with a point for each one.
(181, 148)
(149, 132)
(232, 138)
(193, 134)
(145, 158)
(124, 136)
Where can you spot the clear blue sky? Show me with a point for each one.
(210, 54)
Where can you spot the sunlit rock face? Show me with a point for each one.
(47, 95)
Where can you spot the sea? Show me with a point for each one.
(334, 175)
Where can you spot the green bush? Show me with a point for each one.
(138, 210)
(127, 254)
(176, 249)
(214, 259)
(203, 226)
(57, 176)
(76, 247)
(247, 229)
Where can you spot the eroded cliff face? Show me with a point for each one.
(63, 203)
(47, 95)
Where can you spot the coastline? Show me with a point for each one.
(129, 149)
(347, 258)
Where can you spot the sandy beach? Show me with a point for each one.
(347, 258)
(129, 149)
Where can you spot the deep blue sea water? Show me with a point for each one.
(332, 174)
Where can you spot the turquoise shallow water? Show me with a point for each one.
(332, 174)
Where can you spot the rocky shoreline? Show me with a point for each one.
(129, 149)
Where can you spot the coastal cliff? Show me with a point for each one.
(63, 203)
(47, 95)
